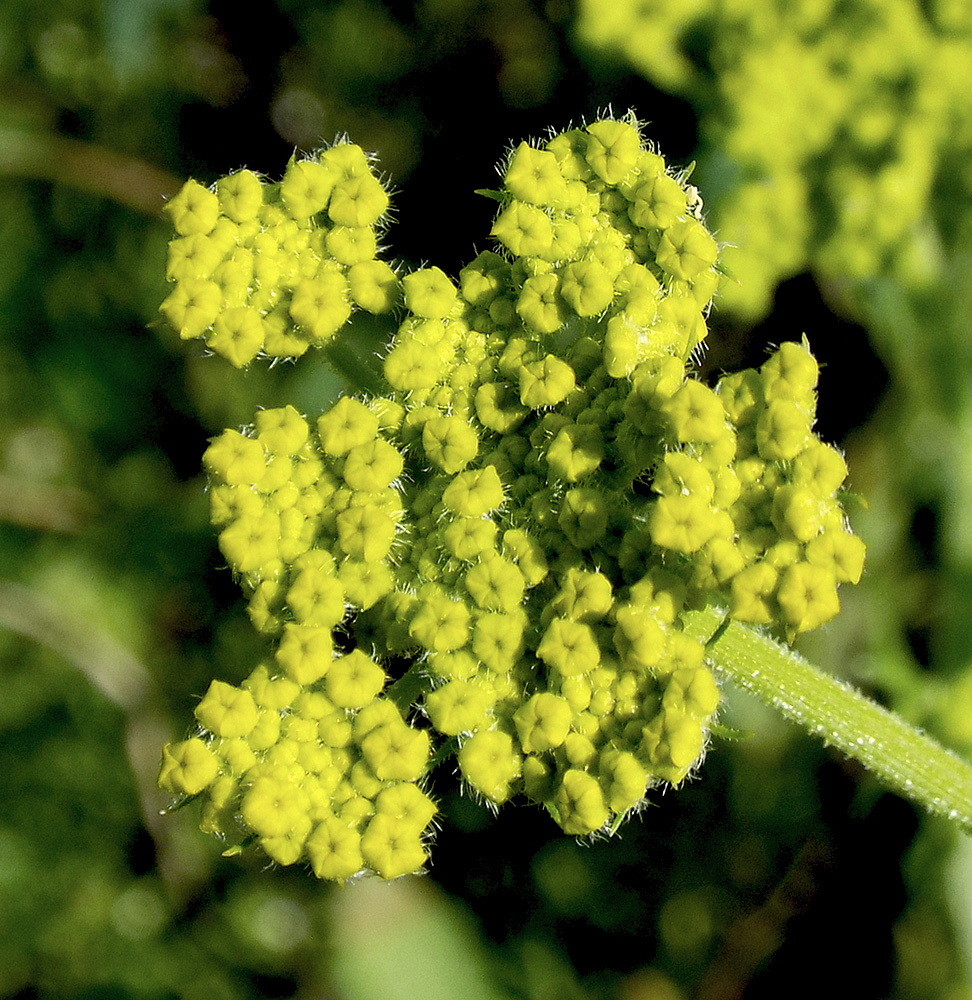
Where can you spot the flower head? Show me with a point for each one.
(511, 534)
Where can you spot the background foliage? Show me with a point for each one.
(850, 208)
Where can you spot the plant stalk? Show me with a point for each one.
(900, 755)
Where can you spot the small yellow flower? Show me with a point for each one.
(334, 850)
(580, 803)
(373, 285)
(543, 722)
(227, 711)
(188, 767)
(490, 764)
(354, 680)
(534, 176)
(429, 293)
(194, 210)
(524, 229)
(391, 846)
(569, 647)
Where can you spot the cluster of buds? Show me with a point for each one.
(272, 269)
(490, 562)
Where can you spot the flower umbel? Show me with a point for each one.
(272, 269)
(494, 557)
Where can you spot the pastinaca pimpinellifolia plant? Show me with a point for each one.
(531, 553)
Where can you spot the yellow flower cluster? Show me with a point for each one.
(326, 773)
(276, 268)
(831, 125)
(512, 533)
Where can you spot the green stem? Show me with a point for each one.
(407, 690)
(354, 354)
(903, 757)
(87, 167)
(346, 361)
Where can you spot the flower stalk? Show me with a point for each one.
(900, 755)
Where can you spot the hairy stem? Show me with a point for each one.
(903, 757)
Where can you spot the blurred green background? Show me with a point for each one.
(833, 141)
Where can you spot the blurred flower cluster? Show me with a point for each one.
(836, 136)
